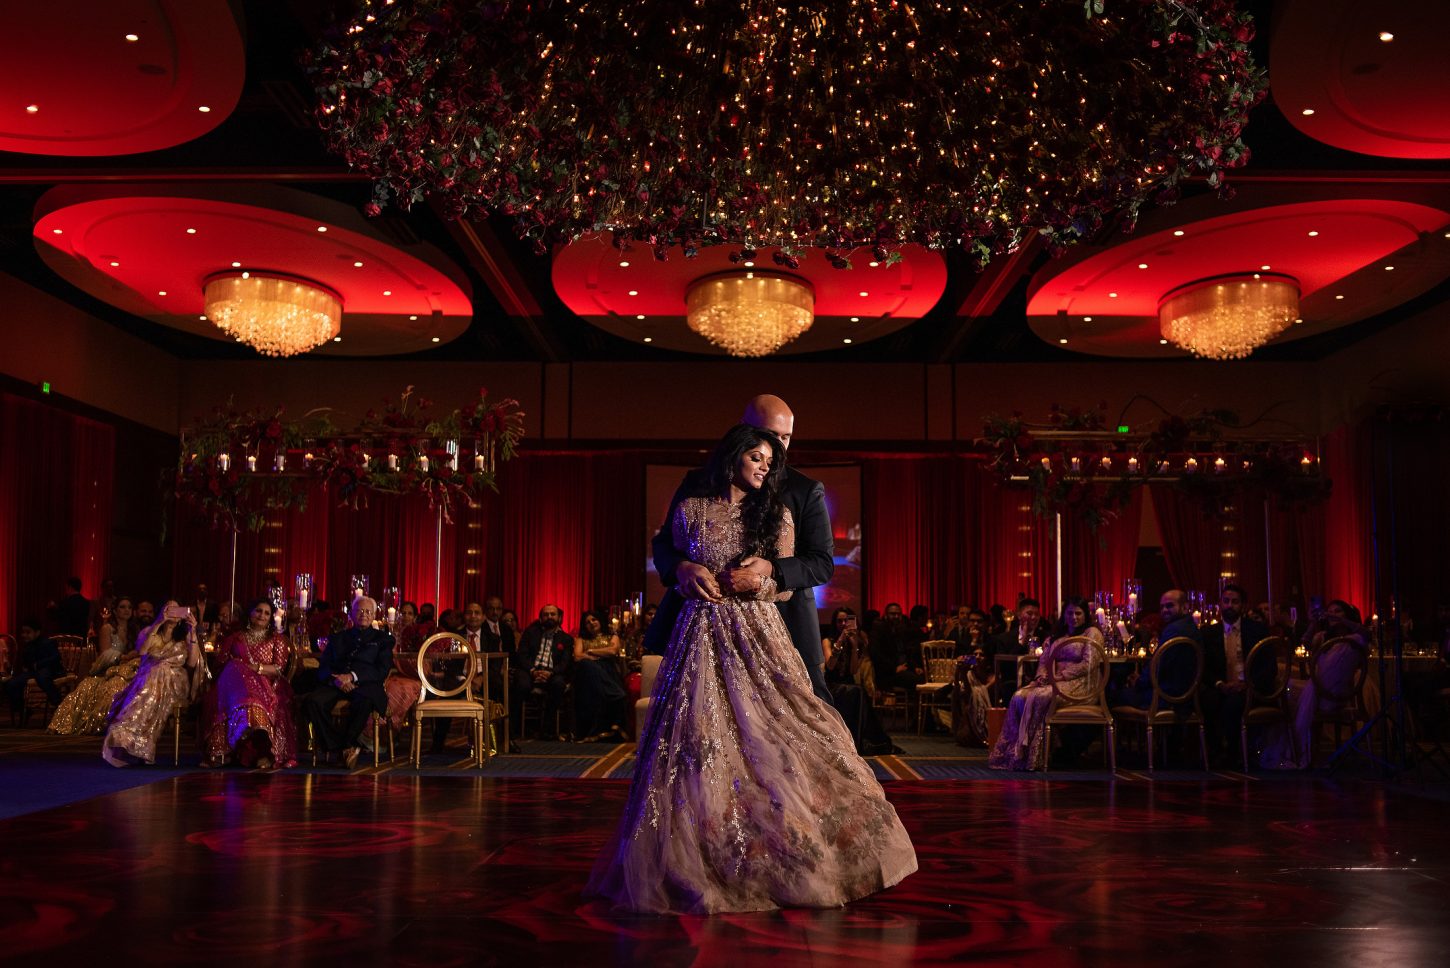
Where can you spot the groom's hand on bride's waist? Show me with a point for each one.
(696, 581)
(746, 576)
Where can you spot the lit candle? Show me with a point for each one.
(307, 457)
(1190, 465)
(392, 462)
(1101, 615)
(1219, 464)
(1132, 465)
(423, 463)
(478, 463)
(1046, 464)
(392, 614)
(252, 463)
(1133, 601)
(1306, 461)
(1197, 616)
(225, 462)
(302, 598)
(281, 463)
(365, 460)
(1107, 462)
(1076, 465)
(1122, 631)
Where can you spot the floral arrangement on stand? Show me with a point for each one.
(845, 127)
(1075, 465)
(237, 466)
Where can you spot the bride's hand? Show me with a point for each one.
(695, 581)
(748, 575)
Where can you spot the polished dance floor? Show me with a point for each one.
(305, 868)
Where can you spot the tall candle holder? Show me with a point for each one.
(302, 590)
(357, 586)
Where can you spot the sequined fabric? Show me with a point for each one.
(748, 794)
(242, 700)
(87, 708)
(163, 682)
(1021, 745)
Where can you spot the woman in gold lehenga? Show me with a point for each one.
(87, 707)
(170, 676)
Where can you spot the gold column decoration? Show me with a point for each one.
(750, 313)
(1228, 317)
(275, 314)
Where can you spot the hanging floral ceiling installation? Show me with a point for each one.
(843, 125)
(1077, 465)
(237, 466)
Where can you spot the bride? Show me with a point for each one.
(748, 794)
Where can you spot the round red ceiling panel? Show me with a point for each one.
(1365, 77)
(1352, 258)
(149, 250)
(635, 296)
(118, 77)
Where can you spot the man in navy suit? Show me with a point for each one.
(1226, 648)
(353, 667)
(1176, 670)
(812, 564)
(540, 668)
(39, 660)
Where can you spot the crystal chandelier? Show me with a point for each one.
(750, 313)
(1228, 317)
(275, 314)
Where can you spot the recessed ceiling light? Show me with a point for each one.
(640, 316)
(855, 319)
(634, 292)
(337, 339)
(191, 231)
(117, 265)
(1256, 275)
(435, 339)
(873, 264)
(1087, 319)
(1263, 268)
(204, 109)
(649, 339)
(1063, 341)
(1298, 319)
(1178, 232)
(1307, 111)
(1112, 295)
(1340, 296)
(246, 275)
(413, 318)
(863, 293)
(236, 265)
(1162, 342)
(749, 264)
(1387, 268)
(322, 228)
(1386, 36)
(387, 292)
(58, 231)
(132, 38)
(357, 265)
(161, 292)
(1142, 265)
(203, 319)
(32, 108)
(847, 340)
(1313, 234)
(624, 265)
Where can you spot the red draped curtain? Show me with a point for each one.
(1348, 535)
(1104, 559)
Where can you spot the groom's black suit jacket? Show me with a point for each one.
(813, 564)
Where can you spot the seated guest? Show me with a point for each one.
(450, 670)
(354, 666)
(540, 669)
(247, 714)
(972, 697)
(1021, 745)
(88, 706)
(451, 620)
(101, 607)
(1337, 667)
(498, 636)
(170, 676)
(39, 661)
(73, 612)
(1176, 670)
(969, 634)
(1022, 634)
(848, 676)
(510, 618)
(203, 608)
(600, 700)
(145, 615)
(896, 652)
(634, 638)
(1226, 647)
(919, 618)
(427, 614)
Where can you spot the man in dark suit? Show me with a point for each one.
(896, 652)
(353, 667)
(812, 565)
(1175, 672)
(39, 660)
(203, 607)
(540, 669)
(73, 612)
(497, 637)
(1226, 647)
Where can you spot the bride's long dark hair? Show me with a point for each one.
(762, 510)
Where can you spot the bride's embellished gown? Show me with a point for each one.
(748, 794)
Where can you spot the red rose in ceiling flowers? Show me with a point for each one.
(792, 125)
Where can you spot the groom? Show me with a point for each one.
(812, 565)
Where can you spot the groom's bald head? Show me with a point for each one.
(769, 412)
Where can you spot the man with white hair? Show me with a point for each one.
(353, 667)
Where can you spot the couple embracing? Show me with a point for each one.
(748, 793)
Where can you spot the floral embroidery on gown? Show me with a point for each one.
(748, 794)
(141, 711)
(1021, 745)
(242, 701)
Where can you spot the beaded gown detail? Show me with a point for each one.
(748, 794)
(87, 707)
(243, 700)
(163, 681)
